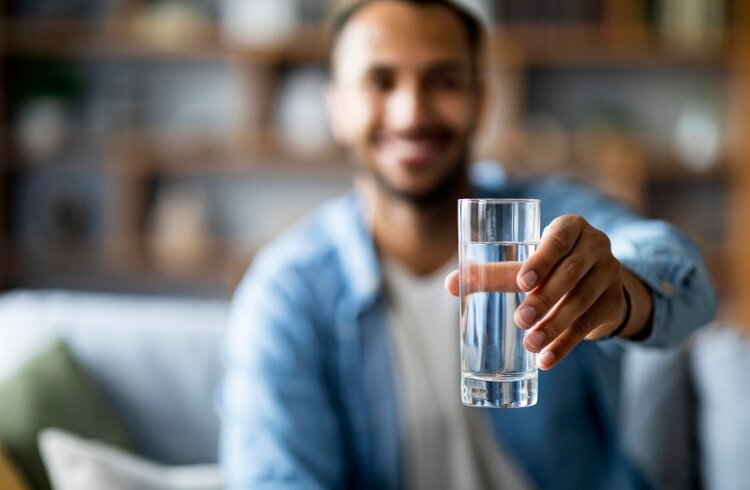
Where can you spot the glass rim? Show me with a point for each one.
(498, 200)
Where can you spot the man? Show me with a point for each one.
(342, 351)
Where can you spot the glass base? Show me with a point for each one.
(479, 391)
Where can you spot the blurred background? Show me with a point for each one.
(154, 145)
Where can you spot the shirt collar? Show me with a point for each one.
(354, 241)
(356, 248)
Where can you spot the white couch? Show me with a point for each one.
(158, 362)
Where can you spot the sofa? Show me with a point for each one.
(156, 361)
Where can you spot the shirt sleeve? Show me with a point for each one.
(274, 402)
(659, 255)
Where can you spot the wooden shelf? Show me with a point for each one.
(115, 39)
(672, 173)
(251, 153)
(191, 153)
(564, 44)
(664, 167)
(529, 44)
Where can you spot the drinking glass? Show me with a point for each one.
(495, 237)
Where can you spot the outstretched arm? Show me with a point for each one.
(591, 253)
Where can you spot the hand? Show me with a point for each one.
(575, 288)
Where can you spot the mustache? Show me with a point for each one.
(431, 132)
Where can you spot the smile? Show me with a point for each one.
(412, 152)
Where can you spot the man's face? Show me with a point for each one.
(404, 97)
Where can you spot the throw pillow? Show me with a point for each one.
(51, 390)
(10, 478)
(75, 463)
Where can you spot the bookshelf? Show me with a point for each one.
(70, 38)
(738, 216)
(534, 49)
(4, 145)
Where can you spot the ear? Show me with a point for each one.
(334, 106)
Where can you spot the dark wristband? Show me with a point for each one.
(626, 320)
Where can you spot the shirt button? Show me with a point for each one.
(667, 287)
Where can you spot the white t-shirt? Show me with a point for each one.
(447, 445)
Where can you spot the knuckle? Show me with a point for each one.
(569, 218)
(578, 220)
(539, 263)
(558, 242)
(542, 299)
(574, 221)
(553, 327)
(613, 264)
(584, 299)
(574, 269)
(583, 326)
(602, 240)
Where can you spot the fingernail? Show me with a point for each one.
(545, 359)
(535, 338)
(528, 280)
(527, 315)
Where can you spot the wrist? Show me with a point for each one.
(641, 307)
(626, 318)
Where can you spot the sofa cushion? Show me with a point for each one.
(51, 390)
(658, 417)
(156, 360)
(721, 367)
(77, 463)
(10, 476)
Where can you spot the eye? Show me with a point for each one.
(379, 82)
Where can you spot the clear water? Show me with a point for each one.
(497, 371)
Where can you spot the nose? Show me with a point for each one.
(408, 108)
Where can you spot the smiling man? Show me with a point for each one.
(342, 349)
(405, 100)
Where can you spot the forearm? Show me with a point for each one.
(666, 278)
(667, 266)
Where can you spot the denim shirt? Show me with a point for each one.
(309, 398)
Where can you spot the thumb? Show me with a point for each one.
(451, 283)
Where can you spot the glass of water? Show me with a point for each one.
(495, 237)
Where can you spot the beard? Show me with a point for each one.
(447, 188)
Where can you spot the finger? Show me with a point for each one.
(558, 239)
(572, 306)
(488, 277)
(451, 283)
(599, 316)
(566, 275)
